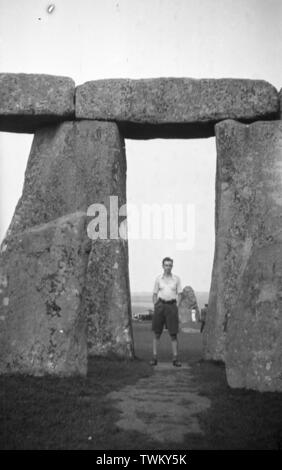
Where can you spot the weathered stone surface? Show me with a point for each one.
(42, 316)
(243, 325)
(30, 101)
(108, 300)
(175, 107)
(254, 335)
(187, 303)
(233, 240)
(72, 166)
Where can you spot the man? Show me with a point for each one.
(204, 312)
(166, 298)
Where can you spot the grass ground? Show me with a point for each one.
(74, 413)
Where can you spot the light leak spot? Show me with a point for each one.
(51, 8)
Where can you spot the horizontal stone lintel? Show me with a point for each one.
(164, 107)
(31, 101)
(175, 107)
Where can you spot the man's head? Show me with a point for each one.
(206, 305)
(167, 265)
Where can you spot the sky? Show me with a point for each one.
(96, 39)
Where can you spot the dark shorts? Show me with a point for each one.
(165, 314)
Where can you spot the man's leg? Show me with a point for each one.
(156, 340)
(174, 346)
(157, 327)
(172, 324)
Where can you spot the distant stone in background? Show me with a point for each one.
(72, 166)
(175, 107)
(245, 306)
(30, 101)
(42, 316)
(187, 304)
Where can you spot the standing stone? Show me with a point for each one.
(233, 240)
(72, 166)
(188, 302)
(254, 335)
(107, 299)
(175, 107)
(254, 332)
(42, 315)
(245, 304)
(30, 101)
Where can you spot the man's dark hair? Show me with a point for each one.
(206, 305)
(167, 259)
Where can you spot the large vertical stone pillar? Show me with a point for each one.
(233, 232)
(43, 320)
(72, 166)
(229, 250)
(245, 305)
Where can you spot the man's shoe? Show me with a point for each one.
(154, 361)
(176, 363)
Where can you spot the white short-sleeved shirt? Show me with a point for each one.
(167, 287)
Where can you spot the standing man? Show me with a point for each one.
(166, 298)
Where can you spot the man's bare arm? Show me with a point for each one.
(155, 298)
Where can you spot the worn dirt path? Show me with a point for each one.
(163, 406)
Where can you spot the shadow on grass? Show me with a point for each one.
(65, 413)
(237, 418)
